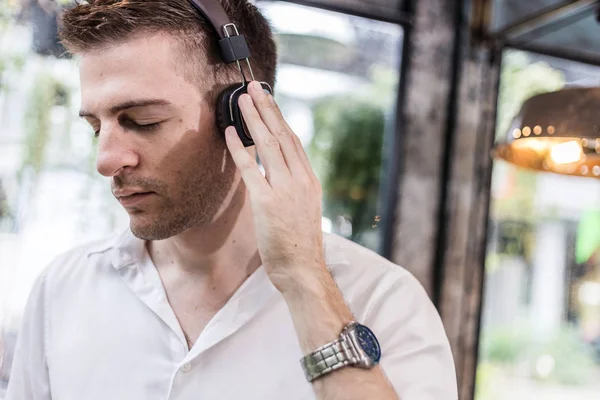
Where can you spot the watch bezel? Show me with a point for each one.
(363, 359)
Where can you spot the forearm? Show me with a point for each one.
(319, 313)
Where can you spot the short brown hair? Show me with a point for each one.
(98, 24)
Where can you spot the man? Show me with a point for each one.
(224, 281)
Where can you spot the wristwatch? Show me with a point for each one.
(357, 346)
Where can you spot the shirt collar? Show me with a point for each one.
(129, 249)
(126, 249)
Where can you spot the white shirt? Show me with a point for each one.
(98, 326)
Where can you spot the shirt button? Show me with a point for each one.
(186, 367)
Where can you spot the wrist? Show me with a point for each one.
(316, 306)
(300, 279)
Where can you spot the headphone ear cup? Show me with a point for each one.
(229, 113)
(222, 109)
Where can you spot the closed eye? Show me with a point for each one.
(137, 127)
(146, 127)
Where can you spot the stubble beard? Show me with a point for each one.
(201, 187)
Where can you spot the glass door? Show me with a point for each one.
(540, 332)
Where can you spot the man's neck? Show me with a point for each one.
(216, 258)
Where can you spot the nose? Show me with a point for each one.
(115, 151)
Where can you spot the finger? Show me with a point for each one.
(303, 157)
(253, 178)
(267, 145)
(300, 152)
(274, 121)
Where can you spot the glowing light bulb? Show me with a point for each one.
(535, 144)
(566, 153)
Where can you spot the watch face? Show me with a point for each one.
(368, 342)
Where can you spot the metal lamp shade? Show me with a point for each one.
(556, 132)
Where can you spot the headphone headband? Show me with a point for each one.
(214, 12)
(233, 47)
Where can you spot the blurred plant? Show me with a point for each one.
(3, 202)
(8, 9)
(485, 375)
(588, 236)
(508, 239)
(46, 93)
(346, 151)
(521, 79)
(384, 87)
(568, 360)
(504, 345)
(8, 61)
(565, 359)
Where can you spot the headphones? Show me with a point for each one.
(233, 48)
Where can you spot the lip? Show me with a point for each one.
(134, 199)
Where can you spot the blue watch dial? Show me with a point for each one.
(368, 342)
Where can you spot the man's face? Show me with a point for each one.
(156, 134)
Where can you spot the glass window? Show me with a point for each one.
(540, 332)
(507, 12)
(577, 37)
(337, 86)
(360, 6)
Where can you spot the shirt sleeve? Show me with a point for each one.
(416, 355)
(29, 375)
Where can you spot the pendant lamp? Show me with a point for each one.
(556, 132)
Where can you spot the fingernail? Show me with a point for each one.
(230, 130)
(245, 98)
(255, 85)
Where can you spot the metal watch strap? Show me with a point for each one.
(332, 356)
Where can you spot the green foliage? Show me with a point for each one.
(588, 235)
(519, 203)
(8, 61)
(7, 12)
(4, 211)
(521, 79)
(385, 87)
(504, 345)
(493, 261)
(484, 378)
(573, 360)
(46, 93)
(346, 151)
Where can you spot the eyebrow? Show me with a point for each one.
(129, 104)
